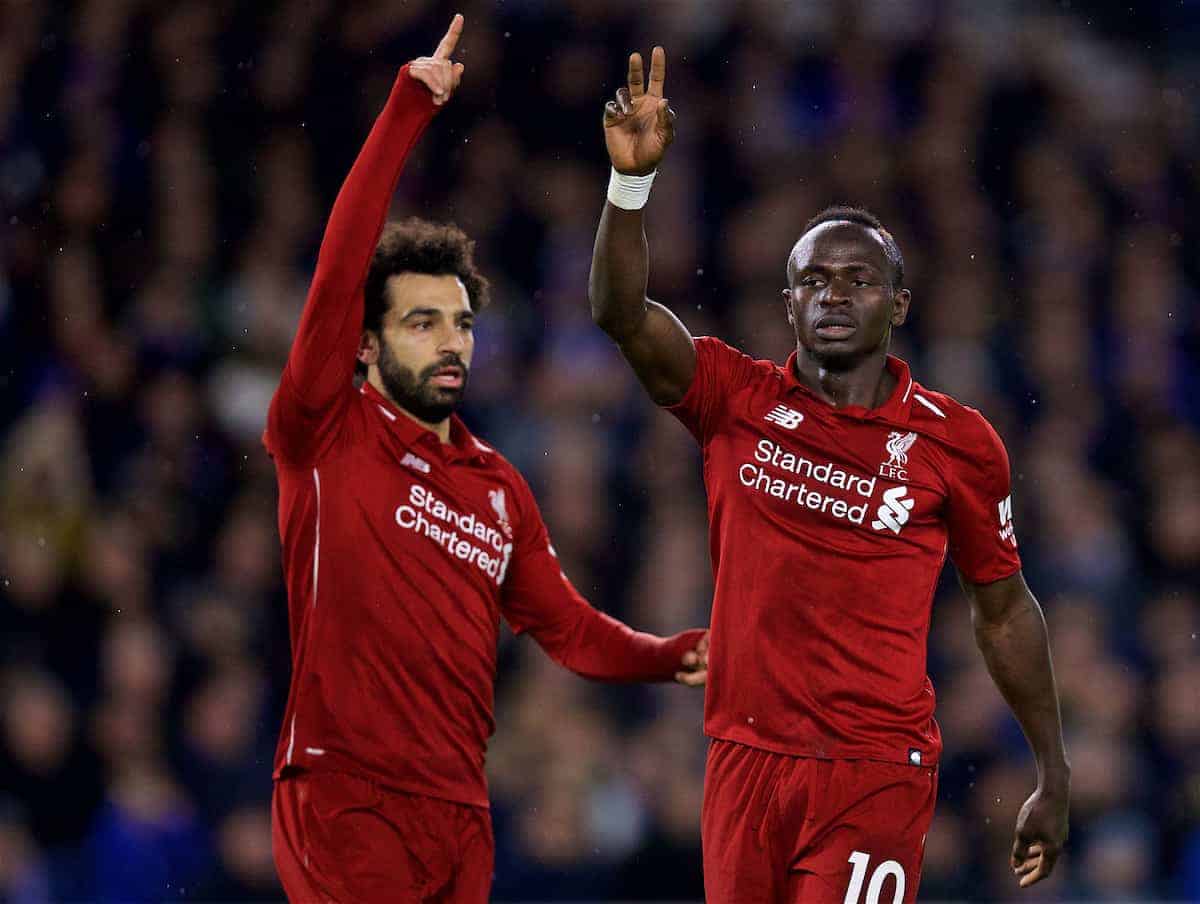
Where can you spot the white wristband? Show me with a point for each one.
(629, 192)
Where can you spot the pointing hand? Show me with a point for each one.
(438, 73)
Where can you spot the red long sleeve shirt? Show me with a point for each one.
(828, 531)
(400, 552)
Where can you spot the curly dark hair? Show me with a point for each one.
(419, 246)
(863, 217)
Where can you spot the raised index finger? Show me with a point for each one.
(637, 84)
(658, 71)
(450, 39)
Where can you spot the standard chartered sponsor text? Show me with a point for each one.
(807, 493)
(463, 539)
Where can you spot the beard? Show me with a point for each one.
(415, 392)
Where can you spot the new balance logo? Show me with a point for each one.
(417, 464)
(785, 417)
(893, 514)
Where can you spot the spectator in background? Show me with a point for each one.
(24, 877)
(199, 138)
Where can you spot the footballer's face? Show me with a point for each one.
(423, 357)
(843, 303)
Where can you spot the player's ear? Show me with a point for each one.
(368, 348)
(787, 305)
(900, 302)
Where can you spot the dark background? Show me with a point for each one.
(165, 173)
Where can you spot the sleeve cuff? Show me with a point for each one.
(674, 647)
(413, 92)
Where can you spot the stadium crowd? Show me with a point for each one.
(165, 173)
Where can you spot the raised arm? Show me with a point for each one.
(320, 365)
(638, 127)
(1011, 633)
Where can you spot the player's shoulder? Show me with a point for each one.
(957, 424)
(497, 465)
(488, 456)
(719, 354)
(508, 491)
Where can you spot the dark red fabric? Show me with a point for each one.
(401, 553)
(783, 830)
(828, 531)
(338, 838)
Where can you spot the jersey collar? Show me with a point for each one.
(897, 407)
(462, 446)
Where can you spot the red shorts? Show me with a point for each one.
(783, 830)
(338, 838)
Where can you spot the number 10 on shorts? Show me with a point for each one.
(879, 876)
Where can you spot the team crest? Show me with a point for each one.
(499, 505)
(897, 448)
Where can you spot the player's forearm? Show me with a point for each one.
(620, 266)
(1016, 647)
(322, 359)
(604, 649)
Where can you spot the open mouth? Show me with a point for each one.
(835, 326)
(448, 377)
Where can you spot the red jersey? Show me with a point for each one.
(828, 530)
(402, 553)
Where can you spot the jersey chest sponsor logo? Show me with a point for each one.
(893, 514)
(463, 535)
(783, 474)
(827, 488)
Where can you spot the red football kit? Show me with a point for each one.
(401, 554)
(829, 528)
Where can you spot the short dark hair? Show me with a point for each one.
(845, 214)
(419, 246)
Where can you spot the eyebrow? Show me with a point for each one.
(433, 312)
(855, 265)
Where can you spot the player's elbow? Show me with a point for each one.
(602, 299)
(615, 318)
(611, 323)
(666, 395)
(603, 310)
(1003, 618)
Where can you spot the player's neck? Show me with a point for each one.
(865, 384)
(441, 428)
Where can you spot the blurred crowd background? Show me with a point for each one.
(165, 173)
